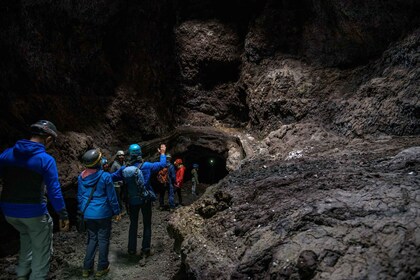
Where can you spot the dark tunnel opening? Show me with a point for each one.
(212, 165)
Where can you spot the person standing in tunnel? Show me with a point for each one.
(194, 179)
(28, 173)
(180, 171)
(135, 204)
(117, 164)
(98, 202)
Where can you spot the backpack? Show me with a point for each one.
(162, 176)
(134, 180)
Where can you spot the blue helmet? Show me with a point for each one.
(195, 165)
(134, 150)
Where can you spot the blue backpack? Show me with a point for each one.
(136, 189)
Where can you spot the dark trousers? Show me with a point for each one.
(162, 191)
(178, 191)
(99, 233)
(146, 210)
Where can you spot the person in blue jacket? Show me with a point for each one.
(98, 212)
(168, 185)
(147, 169)
(29, 173)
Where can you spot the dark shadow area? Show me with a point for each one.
(10, 237)
(212, 166)
(213, 73)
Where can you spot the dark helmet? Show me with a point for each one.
(44, 127)
(134, 150)
(92, 158)
(195, 165)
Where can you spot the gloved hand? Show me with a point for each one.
(117, 218)
(64, 225)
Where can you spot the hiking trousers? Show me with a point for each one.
(99, 233)
(146, 210)
(162, 192)
(36, 235)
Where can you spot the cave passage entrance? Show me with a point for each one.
(212, 165)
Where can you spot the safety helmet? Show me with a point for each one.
(134, 150)
(178, 161)
(104, 161)
(120, 153)
(195, 165)
(92, 158)
(44, 127)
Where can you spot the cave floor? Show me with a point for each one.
(69, 250)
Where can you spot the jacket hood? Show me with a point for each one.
(27, 148)
(92, 179)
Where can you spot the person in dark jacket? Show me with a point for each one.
(29, 173)
(135, 204)
(116, 165)
(99, 212)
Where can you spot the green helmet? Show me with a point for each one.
(92, 158)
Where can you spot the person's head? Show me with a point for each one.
(120, 156)
(92, 158)
(178, 162)
(104, 164)
(44, 131)
(134, 153)
(195, 166)
(168, 157)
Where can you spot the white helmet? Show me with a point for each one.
(120, 153)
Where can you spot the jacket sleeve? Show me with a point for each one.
(117, 175)
(156, 166)
(111, 194)
(54, 193)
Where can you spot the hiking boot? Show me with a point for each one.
(147, 253)
(86, 273)
(142, 261)
(103, 272)
(131, 253)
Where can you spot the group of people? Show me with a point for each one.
(29, 173)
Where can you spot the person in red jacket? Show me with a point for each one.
(180, 170)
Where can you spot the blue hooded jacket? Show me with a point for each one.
(104, 203)
(28, 172)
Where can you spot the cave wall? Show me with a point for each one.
(110, 73)
(87, 66)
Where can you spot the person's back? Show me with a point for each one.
(179, 182)
(145, 205)
(29, 173)
(194, 179)
(98, 203)
(118, 185)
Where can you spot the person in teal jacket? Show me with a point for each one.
(29, 176)
(98, 212)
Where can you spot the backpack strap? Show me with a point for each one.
(91, 193)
